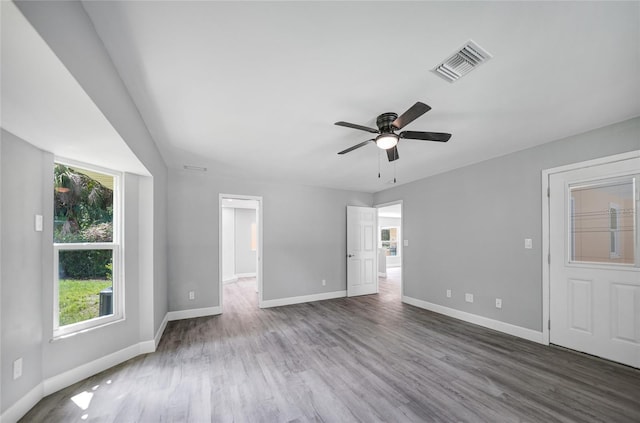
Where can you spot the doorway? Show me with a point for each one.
(390, 250)
(240, 250)
(592, 272)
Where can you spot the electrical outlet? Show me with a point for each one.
(324, 282)
(17, 368)
(448, 293)
(192, 295)
(528, 243)
(468, 298)
(498, 302)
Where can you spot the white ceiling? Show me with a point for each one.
(44, 104)
(252, 89)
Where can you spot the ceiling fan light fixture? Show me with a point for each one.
(386, 141)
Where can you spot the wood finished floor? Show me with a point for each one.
(366, 359)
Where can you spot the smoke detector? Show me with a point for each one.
(463, 61)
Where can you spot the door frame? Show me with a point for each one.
(393, 203)
(546, 235)
(221, 198)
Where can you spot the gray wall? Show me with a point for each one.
(245, 258)
(303, 243)
(63, 354)
(466, 228)
(69, 32)
(22, 169)
(27, 276)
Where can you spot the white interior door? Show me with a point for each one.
(362, 258)
(594, 266)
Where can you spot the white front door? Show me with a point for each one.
(362, 257)
(594, 260)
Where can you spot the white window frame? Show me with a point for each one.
(117, 275)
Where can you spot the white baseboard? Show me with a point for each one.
(23, 405)
(68, 378)
(232, 279)
(382, 275)
(195, 312)
(302, 299)
(246, 275)
(163, 325)
(508, 328)
(62, 380)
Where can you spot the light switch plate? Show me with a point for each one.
(405, 242)
(38, 223)
(528, 243)
(498, 303)
(448, 293)
(17, 368)
(468, 298)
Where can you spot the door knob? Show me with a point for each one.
(350, 255)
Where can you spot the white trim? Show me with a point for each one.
(53, 384)
(230, 280)
(194, 312)
(21, 407)
(303, 299)
(246, 275)
(594, 162)
(160, 332)
(116, 246)
(546, 254)
(546, 174)
(508, 328)
(83, 371)
(147, 347)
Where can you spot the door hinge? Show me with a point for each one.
(549, 324)
(549, 258)
(548, 191)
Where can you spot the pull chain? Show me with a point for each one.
(379, 153)
(394, 171)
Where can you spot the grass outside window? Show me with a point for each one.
(79, 299)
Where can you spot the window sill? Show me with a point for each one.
(71, 332)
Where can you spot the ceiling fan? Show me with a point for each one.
(388, 123)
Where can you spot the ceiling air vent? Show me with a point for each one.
(463, 61)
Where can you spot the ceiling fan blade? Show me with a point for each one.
(425, 136)
(362, 144)
(392, 153)
(410, 115)
(360, 127)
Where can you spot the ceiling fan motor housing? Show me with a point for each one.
(384, 122)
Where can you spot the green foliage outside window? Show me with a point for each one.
(83, 212)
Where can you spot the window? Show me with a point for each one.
(602, 216)
(88, 283)
(614, 230)
(389, 241)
